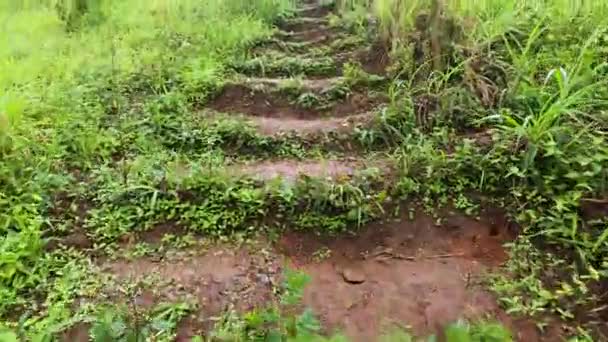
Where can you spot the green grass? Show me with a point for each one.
(484, 21)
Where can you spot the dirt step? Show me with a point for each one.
(274, 126)
(301, 85)
(291, 170)
(273, 65)
(317, 86)
(310, 67)
(322, 35)
(293, 87)
(321, 47)
(305, 24)
(238, 98)
(277, 64)
(276, 44)
(412, 272)
(303, 128)
(216, 278)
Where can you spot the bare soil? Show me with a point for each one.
(407, 273)
(77, 239)
(417, 274)
(593, 209)
(273, 126)
(65, 208)
(242, 99)
(156, 233)
(217, 280)
(291, 169)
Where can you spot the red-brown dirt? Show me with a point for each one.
(317, 35)
(272, 126)
(406, 273)
(241, 99)
(410, 273)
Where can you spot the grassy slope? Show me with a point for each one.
(71, 104)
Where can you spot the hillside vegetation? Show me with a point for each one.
(160, 161)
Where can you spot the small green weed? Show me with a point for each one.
(540, 285)
(119, 324)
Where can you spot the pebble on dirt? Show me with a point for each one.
(353, 276)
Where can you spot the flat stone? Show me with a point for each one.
(353, 276)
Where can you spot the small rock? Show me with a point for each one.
(263, 278)
(353, 276)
